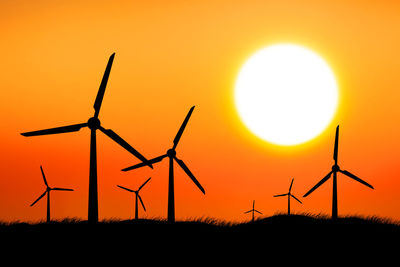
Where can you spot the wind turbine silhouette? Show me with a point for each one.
(289, 194)
(136, 197)
(334, 171)
(253, 210)
(48, 189)
(93, 124)
(171, 154)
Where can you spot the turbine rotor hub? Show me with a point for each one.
(171, 153)
(335, 168)
(94, 123)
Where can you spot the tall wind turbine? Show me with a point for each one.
(252, 211)
(47, 192)
(136, 197)
(171, 154)
(334, 171)
(93, 124)
(289, 194)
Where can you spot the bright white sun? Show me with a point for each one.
(286, 94)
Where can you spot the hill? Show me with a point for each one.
(277, 236)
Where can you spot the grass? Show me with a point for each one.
(279, 220)
(306, 232)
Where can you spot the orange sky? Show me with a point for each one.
(171, 55)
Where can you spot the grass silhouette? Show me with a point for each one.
(205, 236)
(279, 221)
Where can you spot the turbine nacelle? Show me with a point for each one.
(93, 123)
(171, 153)
(335, 168)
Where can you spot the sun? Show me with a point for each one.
(286, 94)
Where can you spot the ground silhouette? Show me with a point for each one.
(277, 236)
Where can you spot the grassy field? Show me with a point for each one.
(276, 235)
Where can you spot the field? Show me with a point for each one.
(276, 236)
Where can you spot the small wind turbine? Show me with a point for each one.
(253, 210)
(334, 171)
(94, 124)
(48, 189)
(136, 197)
(289, 194)
(171, 154)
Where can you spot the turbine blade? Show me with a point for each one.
(102, 88)
(335, 149)
(39, 198)
(290, 187)
(189, 173)
(155, 160)
(296, 199)
(319, 183)
(356, 178)
(62, 189)
(281, 195)
(248, 211)
(141, 201)
(57, 130)
(110, 133)
(44, 177)
(127, 189)
(258, 211)
(144, 183)
(179, 134)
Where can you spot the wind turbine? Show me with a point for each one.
(171, 154)
(289, 194)
(47, 192)
(253, 210)
(136, 197)
(93, 124)
(334, 171)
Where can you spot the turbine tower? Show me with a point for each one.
(136, 197)
(334, 171)
(289, 194)
(93, 124)
(47, 192)
(253, 210)
(171, 154)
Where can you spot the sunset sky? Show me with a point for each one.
(171, 55)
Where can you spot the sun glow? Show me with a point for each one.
(286, 94)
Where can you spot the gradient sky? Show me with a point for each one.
(171, 55)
